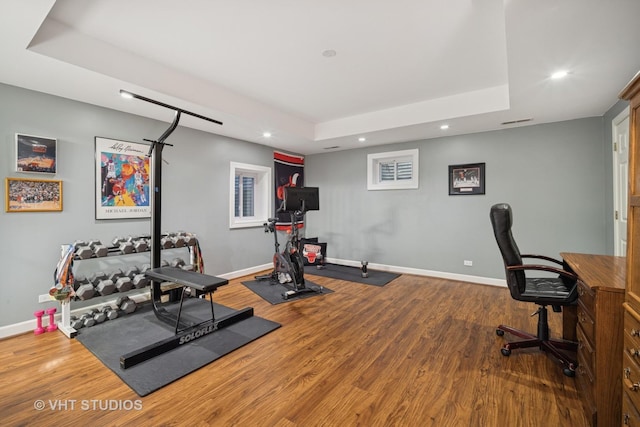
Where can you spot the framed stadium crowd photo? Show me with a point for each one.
(32, 195)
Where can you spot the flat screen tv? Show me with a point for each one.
(301, 198)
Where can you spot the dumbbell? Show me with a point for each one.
(86, 320)
(85, 291)
(115, 275)
(98, 248)
(83, 252)
(105, 287)
(140, 245)
(117, 240)
(98, 315)
(126, 248)
(139, 281)
(126, 304)
(166, 243)
(189, 267)
(79, 280)
(76, 323)
(130, 272)
(109, 312)
(189, 239)
(123, 284)
(178, 241)
(177, 262)
(97, 276)
(164, 263)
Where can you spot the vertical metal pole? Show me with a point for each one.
(156, 213)
(156, 205)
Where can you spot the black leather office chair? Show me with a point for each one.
(557, 291)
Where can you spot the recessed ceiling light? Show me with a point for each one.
(559, 74)
(267, 134)
(444, 127)
(362, 139)
(329, 53)
(126, 95)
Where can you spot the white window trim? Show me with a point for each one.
(373, 170)
(263, 196)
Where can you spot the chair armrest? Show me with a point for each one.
(563, 273)
(546, 258)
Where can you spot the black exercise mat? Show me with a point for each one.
(272, 291)
(114, 338)
(352, 274)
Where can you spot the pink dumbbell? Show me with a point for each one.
(52, 323)
(39, 329)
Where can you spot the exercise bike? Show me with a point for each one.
(288, 265)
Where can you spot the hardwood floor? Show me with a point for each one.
(417, 352)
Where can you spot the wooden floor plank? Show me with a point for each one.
(418, 351)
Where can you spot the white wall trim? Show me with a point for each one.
(420, 272)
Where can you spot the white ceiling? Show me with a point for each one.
(402, 68)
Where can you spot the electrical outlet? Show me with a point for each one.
(468, 263)
(44, 298)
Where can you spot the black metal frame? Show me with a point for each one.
(183, 331)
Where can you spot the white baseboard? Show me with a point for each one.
(245, 272)
(30, 325)
(420, 272)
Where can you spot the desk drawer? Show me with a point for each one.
(632, 347)
(586, 322)
(586, 296)
(630, 415)
(585, 385)
(631, 379)
(631, 329)
(586, 353)
(586, 381)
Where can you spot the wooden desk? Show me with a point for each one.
(599, 334)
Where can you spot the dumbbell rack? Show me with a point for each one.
(116, 259)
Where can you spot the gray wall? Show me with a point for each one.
(195, 193)
(557, 177)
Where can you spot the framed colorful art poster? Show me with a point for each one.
(122, 179)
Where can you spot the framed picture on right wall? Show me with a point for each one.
(466, 179)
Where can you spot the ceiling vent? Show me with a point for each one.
(516, 121)
(332, 148)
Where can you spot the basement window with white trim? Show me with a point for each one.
(393, 170)
(249, 195)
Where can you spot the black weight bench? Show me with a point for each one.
(184, 332)
(187, 279)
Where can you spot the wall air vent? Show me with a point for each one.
(512, 122)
